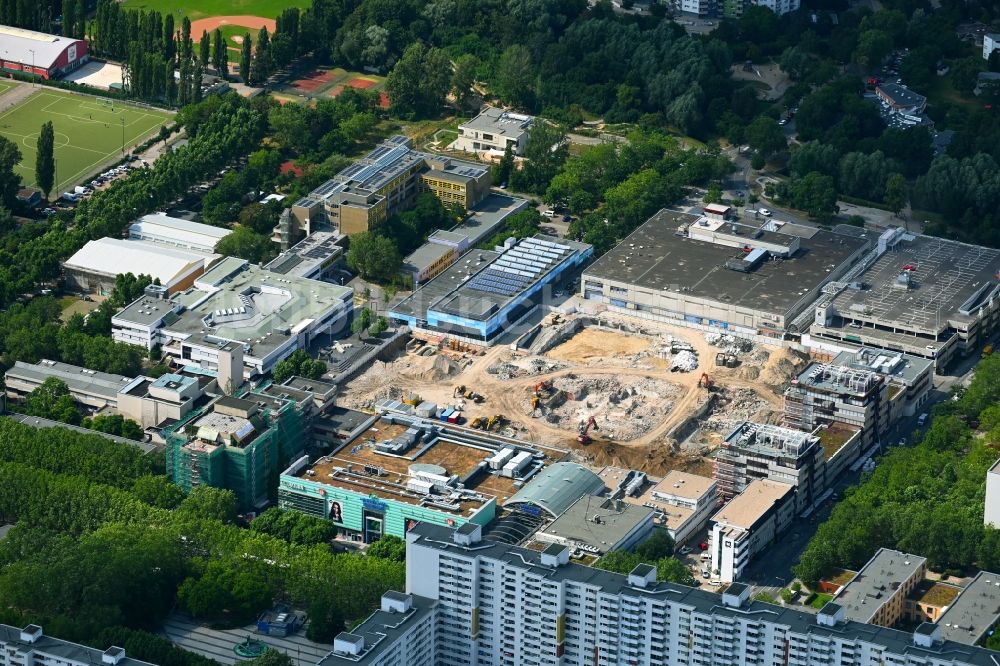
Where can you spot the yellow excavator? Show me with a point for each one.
(462, 392)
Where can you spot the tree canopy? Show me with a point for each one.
(925, 499)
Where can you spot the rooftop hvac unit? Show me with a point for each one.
(421, 486)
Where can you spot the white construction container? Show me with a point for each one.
(502, 457)
(517, 463)
(427, 410)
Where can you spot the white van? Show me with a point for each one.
(921, 420)
(549, 213)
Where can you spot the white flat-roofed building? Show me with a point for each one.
(406, 622)
(779, 7)
(991, 42)
(749, 523)
(269, 315)
(493, 130)
(169, 231)
(683, 502)
(96, 265)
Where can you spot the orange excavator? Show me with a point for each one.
(705, 382)
(543, 386)
(583, 436)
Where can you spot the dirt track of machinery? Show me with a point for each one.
(621, 378)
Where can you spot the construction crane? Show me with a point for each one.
(583, 436)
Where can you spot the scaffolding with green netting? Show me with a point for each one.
(249, 465)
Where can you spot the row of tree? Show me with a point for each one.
(159, 59)
(68, 452)
(87, 556)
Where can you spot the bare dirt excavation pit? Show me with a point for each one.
(624, 408)
(612, 369)
(592, 345)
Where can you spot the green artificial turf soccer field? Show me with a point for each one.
(88, 132)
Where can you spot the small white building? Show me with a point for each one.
(175, 232)
(684, 502)
(992, 513)
(699, 7)
(746, 525)
(779, 7)
(991, 42)
(493, 130)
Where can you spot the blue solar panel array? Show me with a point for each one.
(518, 267)
(499, 282)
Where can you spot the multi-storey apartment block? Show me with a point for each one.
(825, 394)
(762, 451)
(499, 605)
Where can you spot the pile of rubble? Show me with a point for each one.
(741, 404)
(539, 366)
(505, 371)
(624, 407)
(684, 361)
(730, 344)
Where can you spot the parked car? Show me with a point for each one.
(922, 420)
(765, 212)
(703, 545)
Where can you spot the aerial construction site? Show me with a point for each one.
(646, 396)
